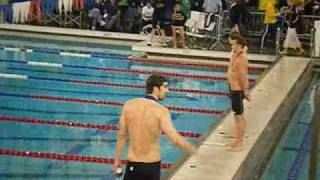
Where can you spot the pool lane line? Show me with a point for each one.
(116, 85)
(58, 112)
(137, 71)
(109, 103)
(188, 63)
(180, 63)
(13, 76)
(79, 125)
(301, 155)
(66, 157)
(74, 53)
(114, 93)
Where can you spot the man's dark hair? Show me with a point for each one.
(240, 40)
(154, 81)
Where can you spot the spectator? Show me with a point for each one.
(122, 8)
(158, 19)
(178, 25)
(238, 16)
(212, 6)
(132, 19)
(96, 16)
(292, 40)
(110, 15)
(196, 5)
(311, 7)
(271, 21)
(147, 13)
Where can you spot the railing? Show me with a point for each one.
(305, 25)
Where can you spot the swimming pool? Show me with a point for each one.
(60, 104)
(292, 156)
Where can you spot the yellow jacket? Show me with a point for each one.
(271, 13)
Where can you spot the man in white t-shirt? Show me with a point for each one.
(147, 13)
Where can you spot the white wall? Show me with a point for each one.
(317, 38)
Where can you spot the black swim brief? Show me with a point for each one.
(142, 171)
(237, 102)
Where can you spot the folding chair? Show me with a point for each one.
(195, 26)
(217, 32)
(200, 26)
(49, 9)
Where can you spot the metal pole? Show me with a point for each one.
(312, 43)
(278, 42)
(315, 136)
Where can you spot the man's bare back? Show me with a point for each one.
(142, 121)
(142, 117)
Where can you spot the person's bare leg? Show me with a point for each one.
(183, 41)
(285, 51)
(240, 129)
(174, 37)
(151, 37)
(162, 36)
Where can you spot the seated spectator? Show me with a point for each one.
(178, 25)
(292, 40)
(212, 6)
(132, 19)
(110, 15)
(147, 13)
(96, 16)
(312, 7)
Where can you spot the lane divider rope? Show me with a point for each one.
(116, 85)
(65, 52)
(110, 103)
(189, 63)
(79, 125)
(136, 71)
(66, 157)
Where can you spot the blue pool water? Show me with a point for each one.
(292, 156)
(17, 99)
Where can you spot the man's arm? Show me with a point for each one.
(243, 75)
(121, 141)
(168, 129)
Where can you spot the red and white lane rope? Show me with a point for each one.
(188, 63)
(66, 157)
(193, 91)
(110, 103)
(79, 125)
(168, 74)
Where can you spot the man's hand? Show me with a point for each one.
(115, 167)
(247, 95)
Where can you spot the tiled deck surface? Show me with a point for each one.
(212, 160)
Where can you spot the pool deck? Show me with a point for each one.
(156, 48)
(212, 160)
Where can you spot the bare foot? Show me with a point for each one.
(235, 148)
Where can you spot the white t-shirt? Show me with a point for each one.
(147, 12)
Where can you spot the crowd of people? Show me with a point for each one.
(131, 16)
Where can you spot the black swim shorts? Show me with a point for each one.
(237, 102)
(142, 171)
(158, 17)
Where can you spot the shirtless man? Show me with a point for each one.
(239, 87)
(143, 120)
